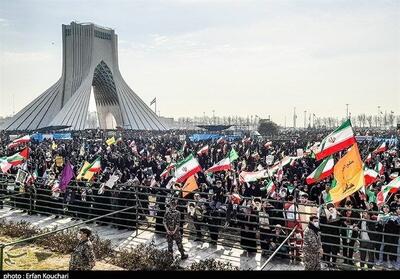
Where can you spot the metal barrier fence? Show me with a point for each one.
(220, 223)
(2, 246)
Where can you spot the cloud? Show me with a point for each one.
(4, 22)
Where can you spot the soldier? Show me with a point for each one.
(83, 256)
(171, 224)
(312, 245)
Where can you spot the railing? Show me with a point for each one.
(224, 225)
(2, 246)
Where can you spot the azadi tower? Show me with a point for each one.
(90, 59)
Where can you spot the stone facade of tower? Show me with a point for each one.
(90, 59)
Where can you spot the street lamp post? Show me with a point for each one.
(213, 116)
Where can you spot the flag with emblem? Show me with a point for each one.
(336, 141)
(189, 186)
(348, 176)
(324, 170)
(186, 168)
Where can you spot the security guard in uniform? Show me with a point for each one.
(171, 223)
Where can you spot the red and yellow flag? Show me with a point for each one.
(349, 176)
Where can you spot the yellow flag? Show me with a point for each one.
(349, 176)
(54, 146)
(88, 175)
(110, 141)
(59, 161)
(190, 186)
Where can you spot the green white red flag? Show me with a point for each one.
(186, 168)
(336, 141)
(19, 141)
(392, 187)
(168, 170)
(381, 148)
(203, 150)
(18, 158)
(369, 158)
(324, 170)
(370, 176)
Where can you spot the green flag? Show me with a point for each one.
(233, 155)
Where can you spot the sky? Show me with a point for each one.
(234, 57)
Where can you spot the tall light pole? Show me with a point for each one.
(305, 119)
(213, 117)
(379, 116)
(347, 111)
(294, 117)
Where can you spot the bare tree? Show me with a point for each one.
(369, 120)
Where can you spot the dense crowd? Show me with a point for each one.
(222, 201)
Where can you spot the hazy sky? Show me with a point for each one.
(234, 57)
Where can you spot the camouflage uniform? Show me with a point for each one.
(172, 220)
(83, 256)
(311, 247)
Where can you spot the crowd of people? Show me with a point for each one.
(222, 202)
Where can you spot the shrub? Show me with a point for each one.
(63, 242)
(145, 257)
(212, 264)
(20, 229)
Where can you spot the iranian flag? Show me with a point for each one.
(268, 144)
(167, 170)
(4, 164)
(19, 157)
(186, 168)
(392, 187)
(221, 140)
(324, 170)
(370, 176)
(19, 141)
(93, 167)
(338, 140)
(245, 176)
(203, 150)
(369, 158)
(246, 140)
(379, 168)
(224, 164)
(381, 148)
(269, 187)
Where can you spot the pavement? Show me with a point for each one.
(126, 239)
